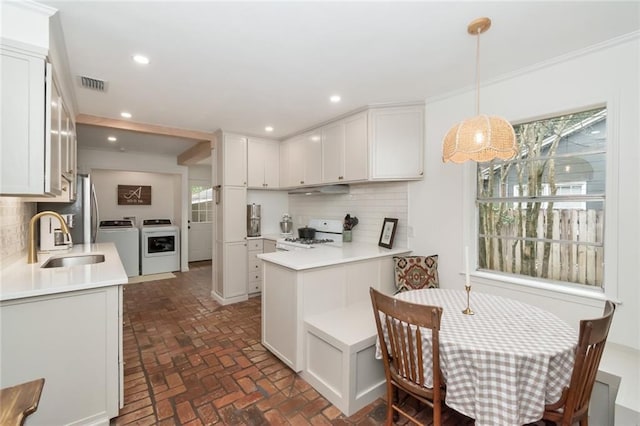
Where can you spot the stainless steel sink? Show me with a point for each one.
(84, 259)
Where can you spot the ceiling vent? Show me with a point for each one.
(93, 83)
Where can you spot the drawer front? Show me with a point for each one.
(253, 245)
(255, 264)
(255, 276)
(255, 287)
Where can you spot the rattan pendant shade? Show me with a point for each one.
(480, 138)
(483, 137)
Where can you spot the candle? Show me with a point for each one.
(466, 260)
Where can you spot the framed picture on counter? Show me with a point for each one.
(388, 232)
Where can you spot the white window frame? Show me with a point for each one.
(568, 293)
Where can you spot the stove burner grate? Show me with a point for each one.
(308, 241)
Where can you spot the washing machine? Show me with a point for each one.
(159, 246)
(126, 237)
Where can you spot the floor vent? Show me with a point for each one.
(93, 83)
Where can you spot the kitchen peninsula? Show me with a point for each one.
(64, 324)
(317, 318)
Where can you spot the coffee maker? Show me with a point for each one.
(51, 235)
(253, 220)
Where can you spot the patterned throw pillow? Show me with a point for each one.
(414, 272)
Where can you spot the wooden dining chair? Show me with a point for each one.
(573, 405)
(404, 324)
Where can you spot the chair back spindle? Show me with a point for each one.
(400, 328)
(573, 405)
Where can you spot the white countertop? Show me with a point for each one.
(20, 280)
(325, 255)
(273, 237)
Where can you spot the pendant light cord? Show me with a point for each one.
(478, 73)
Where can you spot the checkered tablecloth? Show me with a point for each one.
(503, 364)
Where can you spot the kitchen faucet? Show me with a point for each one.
(32, 256)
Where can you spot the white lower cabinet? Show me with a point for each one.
(289, 297)
(254, 272)
(72, 340)
(231, 279)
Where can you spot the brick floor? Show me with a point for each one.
(191, 361)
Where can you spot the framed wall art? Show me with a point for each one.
(388, 232)
(134, 195)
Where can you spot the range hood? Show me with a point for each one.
(326, 189)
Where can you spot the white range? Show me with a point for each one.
(328, 232)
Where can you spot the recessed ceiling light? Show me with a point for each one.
(595, 132)
(112, 139)
(125, 114)
(268, 129)
(141, 59)
(335, 99)
(315, 138)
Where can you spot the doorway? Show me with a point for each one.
(200, 220)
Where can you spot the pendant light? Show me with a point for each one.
(483, 137)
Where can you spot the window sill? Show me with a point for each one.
(529, 285)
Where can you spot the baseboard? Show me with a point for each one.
(229, 300)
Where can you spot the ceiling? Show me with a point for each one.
(241, 66)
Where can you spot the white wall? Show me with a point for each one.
(90, 160)
(163, 194)
(442, 210)
(273, 204)
(370, 203)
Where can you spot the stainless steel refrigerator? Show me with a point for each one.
(84, 211)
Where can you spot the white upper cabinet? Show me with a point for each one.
(397, 142)
(234, 157)
(263, 163)
(54, 157)
(285, 173)
(312, 158)
(303, 154)
(333, 152)
(345, 150)
(25, 143)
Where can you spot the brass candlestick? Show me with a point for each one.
(467, 310)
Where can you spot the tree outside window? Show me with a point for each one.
(541, 214)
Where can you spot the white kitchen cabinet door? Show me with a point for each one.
(235, 160)
(272, 164)
(234, 205)
(235, 269)
(356, 148)
(333, 141)
(284, 174)
(74, 341)
(255, 163)
(397, 143)
(263, 164)
(269, 246)
(24, 132)
(312, 158)
(296, 161)
(55, 159)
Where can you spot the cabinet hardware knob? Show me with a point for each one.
(301, 182)
(421, 173)
(340, 177)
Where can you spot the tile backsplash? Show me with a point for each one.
(370, 203)
(14, 226)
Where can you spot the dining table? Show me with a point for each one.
(502, 364)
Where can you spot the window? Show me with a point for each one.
(568, 188)
(541, 214)
(201, 205)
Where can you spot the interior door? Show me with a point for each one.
(201, 220)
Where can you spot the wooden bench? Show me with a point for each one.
(340, 358)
